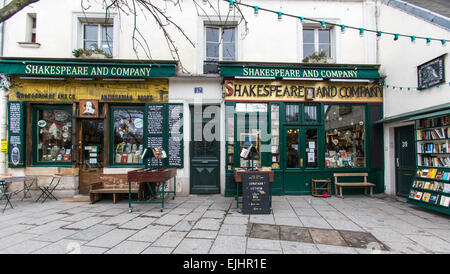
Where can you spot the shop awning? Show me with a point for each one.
(298, 70)
(428, 115)
(92, 68)
(408, 116)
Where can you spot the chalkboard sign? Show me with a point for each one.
(255, 193)
(165, 130)
(431, 73)
(155, 117)
(16, 134)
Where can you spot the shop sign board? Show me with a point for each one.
(431, 73)
(260, 71)
(154, 90)
(320, 91)
(86, 69)
(255, 193)
(16, 134)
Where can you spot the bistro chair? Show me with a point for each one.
(47, 191)
(4, 191)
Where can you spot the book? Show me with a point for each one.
(412, 194)
(445, 201)
(439, 175)
(446, 176)
(446, 188)
(440, 187)
(418, 195)
(426, 197)
(427, 185)
(433, 199)
(432, 173)
(424, 173)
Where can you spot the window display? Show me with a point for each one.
(128, 136)
(275, 136)
(54, 128)
(344, 140)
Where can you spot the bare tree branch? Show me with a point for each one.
(13, 7)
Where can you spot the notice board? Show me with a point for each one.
(16, 134)
(165, 130)
(255, 193)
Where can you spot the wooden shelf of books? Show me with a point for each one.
(431, 186)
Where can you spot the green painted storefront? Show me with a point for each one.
(296, 180)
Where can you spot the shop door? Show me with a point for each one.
(301, 150)
(405, 162)
(205, 150)
(91, 150)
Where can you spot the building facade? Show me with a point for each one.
(243, 78)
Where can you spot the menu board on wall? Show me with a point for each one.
(16, 134)
(255, 193)
(155, 117)
(165, 130)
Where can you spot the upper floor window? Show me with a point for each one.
(317, 41)
(220, 45)
(98, 36)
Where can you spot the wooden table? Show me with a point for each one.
(157, 177)
(238, 179)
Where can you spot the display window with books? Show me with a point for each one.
(128, 135)
(431, 186)
(345, 135)
(53, 135)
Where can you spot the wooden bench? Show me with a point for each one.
(115, 185)
(364, 184)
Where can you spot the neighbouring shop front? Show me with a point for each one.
(306, 122)
(89, 119)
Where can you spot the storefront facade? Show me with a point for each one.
(84, 120)
(307, 122)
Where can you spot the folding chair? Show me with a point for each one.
(4, 193)
(48, 190)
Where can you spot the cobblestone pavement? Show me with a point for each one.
(213, 225)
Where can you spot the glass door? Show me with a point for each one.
(302, 154)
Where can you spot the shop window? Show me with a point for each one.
(292, 113)
(310, 114)
(220, 45)
(230, 143)
(98, 36)
(311, 148)
(128, 135)
(344, 143)
(53, 128)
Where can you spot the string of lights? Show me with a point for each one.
(324, 24)
(403, 88)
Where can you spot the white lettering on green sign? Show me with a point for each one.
(88, 70)
(299, 73)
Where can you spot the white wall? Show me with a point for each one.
(399, 61)
(267, 40)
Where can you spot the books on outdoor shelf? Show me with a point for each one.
(439, 175)
(432, 173)
(418, 195)
(446, 176)
(446, 188)
(426, 197)
(433, 199)
(445, 201)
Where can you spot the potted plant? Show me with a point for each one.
(318, 58)
(90, 53)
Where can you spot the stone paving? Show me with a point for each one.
(212, 225)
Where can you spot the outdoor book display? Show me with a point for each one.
(431, 186)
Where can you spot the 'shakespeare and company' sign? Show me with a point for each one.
(233, 70)
(85, 69)
(264, 90)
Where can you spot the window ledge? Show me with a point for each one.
(29, 44)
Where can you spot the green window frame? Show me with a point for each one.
(35, 136)
(112, 154)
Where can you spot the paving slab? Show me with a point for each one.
(208, 224)
(170, 239)
(289, 247)
(202, 234)
(92, 232)
(327, 237)
(112, 238)
(193, 246)
(254, 243)
(361, 240)
(264, 231)
(229, 245)
(232, 229)
(295, 234)
(150, 233)
(128, 247)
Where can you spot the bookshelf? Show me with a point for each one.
(431, 186)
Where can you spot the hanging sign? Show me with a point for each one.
(431, 73)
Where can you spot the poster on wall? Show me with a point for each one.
(431, 73)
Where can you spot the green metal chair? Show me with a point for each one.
(5, 194)
(47, 191)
